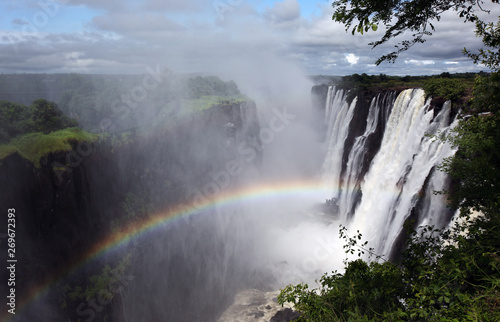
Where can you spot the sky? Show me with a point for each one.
(207, 36)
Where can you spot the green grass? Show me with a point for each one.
(206, 102)
(186, 107)
(6, 150)
(34, 146)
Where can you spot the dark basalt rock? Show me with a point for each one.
(285, 315)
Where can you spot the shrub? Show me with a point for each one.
(447, 88)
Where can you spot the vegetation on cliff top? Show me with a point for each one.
(41, 116)
(37, 130)
(34, 131)
(115, 103)
(35, 146)
(445, 86)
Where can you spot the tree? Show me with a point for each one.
(13, 118)
(476, 165)
(491, 39)
(447, 88)
(415, 16)
(444, 275)
(486, 95)
(47, 117)
(41, 116)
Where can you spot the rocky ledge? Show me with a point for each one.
(254, 305)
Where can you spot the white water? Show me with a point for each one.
(338, 116)
(395, 180)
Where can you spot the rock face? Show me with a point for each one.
(285, 315)
(55, 217)
(319, 95)
(254, 305)
(62, 210)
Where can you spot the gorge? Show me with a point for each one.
(172, 220)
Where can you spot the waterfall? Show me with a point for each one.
(400, 175)
(339, 114)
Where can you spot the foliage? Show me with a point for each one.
(205, 102)
(453, 274)
(476, 164)
(47, 117)
(371, 289)
(398, 17)
(447, 88)
(444, 276)
(104, 285)
(41, 116)
(490, 57)
(136, 206)
(114, 103)
(35, 146)
(382, 81)
(13, 119)
(486, 95)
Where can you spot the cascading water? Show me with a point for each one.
(401, 176)
(339, 114)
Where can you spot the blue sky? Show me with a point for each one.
(124, 36)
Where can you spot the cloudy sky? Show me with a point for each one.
(126, 36)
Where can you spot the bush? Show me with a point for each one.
(41, 116)
(14, 120)
(364, 290)
(444, 276)
(447, 88)
(487, 93)
(46, 117)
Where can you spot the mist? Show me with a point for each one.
(159, 157)
(195, 266)
(247, 172)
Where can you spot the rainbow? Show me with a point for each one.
(120, 238)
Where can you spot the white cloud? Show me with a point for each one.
(351, 58)
(419, 62)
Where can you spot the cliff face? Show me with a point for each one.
(76, 198)
(54, 214)
(365, 98)
(319, 94)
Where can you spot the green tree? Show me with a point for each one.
(476, 165)
(490, 55)
(41, 116)
(447, 88)
(13, 120)
(486, 95)
(364, 290)
(443, 276)
(47, 117)
(414, 16)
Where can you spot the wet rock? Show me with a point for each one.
(285, 315)
(252, 305)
